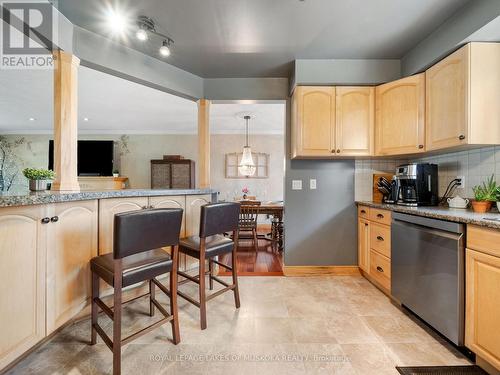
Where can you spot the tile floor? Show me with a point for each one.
(328, 325)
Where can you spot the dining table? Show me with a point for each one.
(276, 210)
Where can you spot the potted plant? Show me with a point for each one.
(38, 178)
(484, 195)
(116, 173)
(245, 192)
(498, 198)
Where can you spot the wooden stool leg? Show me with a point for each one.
(203, 302)
(211, 274)
(117, 318)
(234, 272)
(174, 311)
(95, 294)
(151, 297)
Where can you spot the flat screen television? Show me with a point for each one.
(95, 158)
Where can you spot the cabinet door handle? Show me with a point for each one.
(144, 207)
(380, 238)
(420, 146)
(338, 151)
(380, 216)
(380, 269)
(363, 211)
(151, 206)
(461, 137)
(54, 219)
(333, 151)
(45, 220)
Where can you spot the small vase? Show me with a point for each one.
(244, 196)
(38, 185)
(116, 175)
(481, 206)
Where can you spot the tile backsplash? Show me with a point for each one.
(474, 165)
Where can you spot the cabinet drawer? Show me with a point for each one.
(380, 216)
(380, 269)
(363, 212)
(380, 239)
(483, 239)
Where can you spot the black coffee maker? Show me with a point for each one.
(417, 184)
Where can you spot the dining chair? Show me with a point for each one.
(137, 256)
(215, 220)
(248, 219)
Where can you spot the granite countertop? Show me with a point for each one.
(26, 198)
(467, 216)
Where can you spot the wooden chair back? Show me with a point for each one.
(248, 214)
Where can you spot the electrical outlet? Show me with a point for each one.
(462, 182)
(312, 184)
(296, 184)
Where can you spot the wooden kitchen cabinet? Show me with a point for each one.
(108, 208)
(374, 246)
(482, 278)
(400, 113)
(23, 249)
(355, 121)
(364, 245)
(72, 242)
(313, 121)
(462, 96)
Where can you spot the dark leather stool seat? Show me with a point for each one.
(215, 219)
(136, 268)
(215, 245)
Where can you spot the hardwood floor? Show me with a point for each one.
(267, 261)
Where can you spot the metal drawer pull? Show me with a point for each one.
(380, 216)
(54, 219)
(45, 220)
(380, 269)
(363, 211)
(461, 137)
(380, 238)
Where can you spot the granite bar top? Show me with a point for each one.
(467, 216)
(27, 198)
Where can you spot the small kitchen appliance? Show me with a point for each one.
(417, 184)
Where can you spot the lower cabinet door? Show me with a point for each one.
(72, 243)
(364, 245)
(22, 290)
(482, 313)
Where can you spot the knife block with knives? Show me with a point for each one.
(378, 193)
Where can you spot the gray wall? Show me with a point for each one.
(450, 35)
(320, 225)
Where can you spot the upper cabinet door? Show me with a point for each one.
(399, 124)
(447, 101)
(355, 112)
(313, 120)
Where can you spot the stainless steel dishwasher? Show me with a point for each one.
(427, 271)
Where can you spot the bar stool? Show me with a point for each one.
(137, 256)
(215, 219)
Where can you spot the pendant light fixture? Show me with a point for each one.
(246, 166)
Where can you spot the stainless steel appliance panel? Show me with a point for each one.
(427, 266)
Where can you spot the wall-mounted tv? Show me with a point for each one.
(95, 158)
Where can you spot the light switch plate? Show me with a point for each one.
(312, 184)
(296, 184)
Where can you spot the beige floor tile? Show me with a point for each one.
(300, 325)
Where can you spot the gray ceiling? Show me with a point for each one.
(261, 38)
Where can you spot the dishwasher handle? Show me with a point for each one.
(437, 224)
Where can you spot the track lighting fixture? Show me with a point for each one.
(146, 28)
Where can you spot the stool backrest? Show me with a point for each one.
(139, 231)
(218, 218)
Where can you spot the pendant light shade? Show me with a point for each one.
(247, 166)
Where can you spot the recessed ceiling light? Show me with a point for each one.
(85, 119)
(117, 22)
(32, 119)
